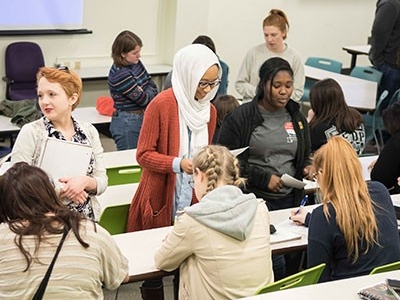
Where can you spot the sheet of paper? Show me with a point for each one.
(238, 151)
(292, 182)
(283, 234)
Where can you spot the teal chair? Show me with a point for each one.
(114, 218)
(386, 268)
(305, 277)
(373, 123)
(124, 175)
(320, 63)
(367, 73)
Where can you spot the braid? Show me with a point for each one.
(213, 170)
(219, 165)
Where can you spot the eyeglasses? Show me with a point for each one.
(191, 183)
(204, 83)
(63, 68)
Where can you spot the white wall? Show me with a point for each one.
(318, 28)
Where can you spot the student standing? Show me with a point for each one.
(385, 45)
(177, 123)
(59, 93)
(221, 244)
(33, 221)
(275, 27)
(355, 228)
(131, 88)
(278, 140)
(331, 116)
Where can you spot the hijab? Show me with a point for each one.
(189, 65)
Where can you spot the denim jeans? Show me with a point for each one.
(125, 128)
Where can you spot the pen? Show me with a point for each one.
(302, 203)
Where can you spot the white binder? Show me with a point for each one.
(65, 159)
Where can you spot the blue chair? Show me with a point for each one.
(321, 63)
(373, 123)
(367, 73)
(22, 62)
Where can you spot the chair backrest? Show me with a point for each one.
(114, 218)
(22, 62)
(386, 268)
(367, 73)
(373, 123)
(305, 277)
(325, 64)
(124, 175)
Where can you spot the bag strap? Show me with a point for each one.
(42, 287)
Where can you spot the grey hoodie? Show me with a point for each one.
(227, 210)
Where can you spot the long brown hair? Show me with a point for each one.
(328, 103)
(343, 186)
(30, 206)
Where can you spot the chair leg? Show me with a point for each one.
(152, 290)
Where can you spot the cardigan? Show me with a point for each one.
(236, 131)
(32, 138)
(158, 145)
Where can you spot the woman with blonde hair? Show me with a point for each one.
(226, 226)
(275, 29)
(355, 228)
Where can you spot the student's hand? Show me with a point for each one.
(299, 218)
(275, 183)
(371, 166)
(73, 188)
(186, 165)
(308, 172)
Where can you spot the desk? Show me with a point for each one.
(359, 93)
(356, 50)
(333, 290)
(6, 126)
(117, 194)
(123, 158)
(90, 115)
(139, 247)
(101, 73)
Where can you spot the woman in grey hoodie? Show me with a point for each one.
(222, 242)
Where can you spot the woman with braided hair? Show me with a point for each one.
(221, 244)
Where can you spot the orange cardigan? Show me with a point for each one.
(158, 145)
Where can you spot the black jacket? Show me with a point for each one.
(236, 130)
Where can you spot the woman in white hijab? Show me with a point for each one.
(177, 122)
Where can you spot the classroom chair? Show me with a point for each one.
(114, 218)
(124, 175)
(373, 123)
(321, 63)
(367, 73)
(386, 268)
(305, 277)
(22, 62)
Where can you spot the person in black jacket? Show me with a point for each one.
(277, 134)
(278, 140)
(387, 167)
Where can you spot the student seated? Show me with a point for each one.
(387, 167)
(355, 228)
(33, 221)
(330, 116)
(221, 244)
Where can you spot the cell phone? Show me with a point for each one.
(394, 287)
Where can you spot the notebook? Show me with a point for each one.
(376, 292)
(64, 159)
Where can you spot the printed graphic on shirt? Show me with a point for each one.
(356, 138)
(292, 137)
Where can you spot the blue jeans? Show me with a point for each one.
(390, 81)
(125, 128)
